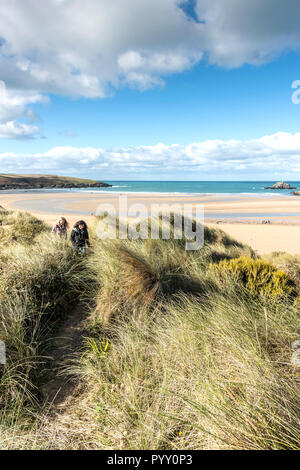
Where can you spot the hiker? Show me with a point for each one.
(60, 228)
(80, 237)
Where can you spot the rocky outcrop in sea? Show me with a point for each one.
(281, 185)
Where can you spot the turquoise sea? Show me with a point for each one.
(195, 187)
(250, 188)
(220, 188)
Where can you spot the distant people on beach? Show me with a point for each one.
(60, 228)
(80, 237)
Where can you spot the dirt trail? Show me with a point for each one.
(66, 346)
(65, 421)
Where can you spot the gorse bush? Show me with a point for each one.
(257, 276)
(287, 263)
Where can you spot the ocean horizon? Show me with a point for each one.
(194, 187)
(246, 188)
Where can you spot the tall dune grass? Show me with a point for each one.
(182, 358)
(40, 284)
(208, 373)
(175, 357)
(20, 227)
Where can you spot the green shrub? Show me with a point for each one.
(259, 277)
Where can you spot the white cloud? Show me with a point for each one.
(248, 31)
(16, 130)
(83, 49)
(263, 157)
(13, 105)
(87, 49)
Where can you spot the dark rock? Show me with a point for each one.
(281, 185)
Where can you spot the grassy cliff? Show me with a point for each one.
(177, 350)
(46, 181)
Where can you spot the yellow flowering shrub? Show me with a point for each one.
(258, 276)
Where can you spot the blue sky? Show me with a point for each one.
(207, 102)
(189, 104)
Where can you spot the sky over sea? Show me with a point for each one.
(151, 89)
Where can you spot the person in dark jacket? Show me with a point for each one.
(80, 237)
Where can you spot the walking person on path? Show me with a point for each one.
(80, 237)
(60, 228)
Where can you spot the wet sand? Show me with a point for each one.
(239, 215)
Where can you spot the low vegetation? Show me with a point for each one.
(181, 350)
(20, 227)
(259, 277)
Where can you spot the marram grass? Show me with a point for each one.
(182, 350)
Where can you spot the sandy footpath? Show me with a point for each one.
(283, 234)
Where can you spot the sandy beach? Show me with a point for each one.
(239, 215)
